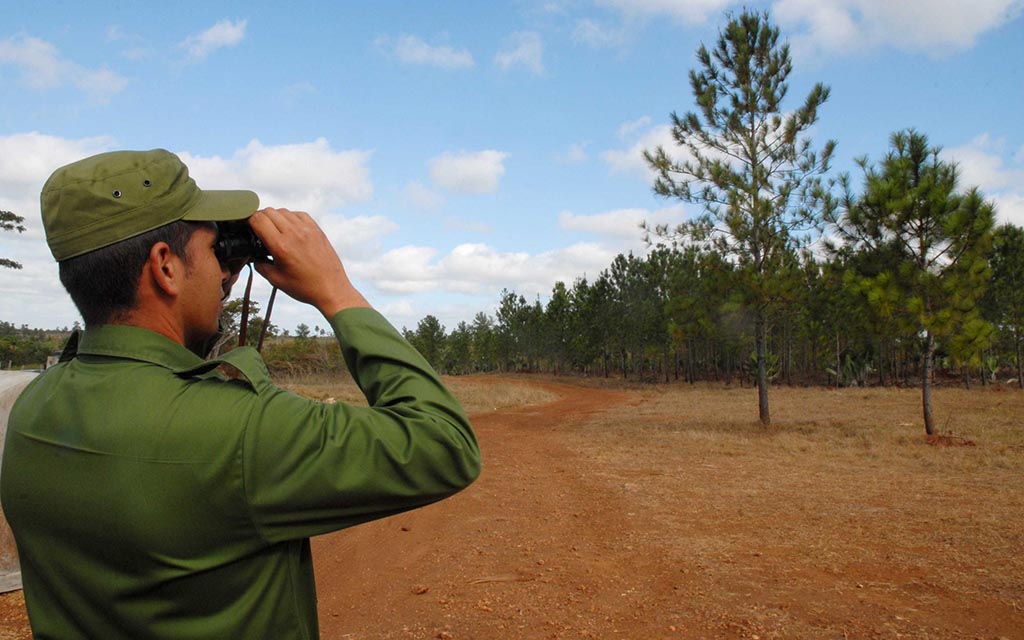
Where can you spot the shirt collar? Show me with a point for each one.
(136, 343)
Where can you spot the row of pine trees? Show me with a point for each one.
(680, 314)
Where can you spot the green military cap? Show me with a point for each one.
(114, 196)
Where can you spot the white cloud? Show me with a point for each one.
(479, 268)
(100, 83)
(1010, 208)
(523, 49)
(631, 159)
(575, 154)
(398, 308)
(42, 67)
(684, 11)
(403, 270)
(223, 34)
(628, 129)
(468, 172)
(305, 176)
(413, 50)
(935, 26)
(844, 26)
(982, 163)
(986, 163)
(818, 24)
(135, 46)
(621, 224)
(357, 237)
(453, 223)
(591, 33)
(421, 197)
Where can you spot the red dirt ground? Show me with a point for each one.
(556, 540)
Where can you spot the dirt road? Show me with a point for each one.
(535, 549)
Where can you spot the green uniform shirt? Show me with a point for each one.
(153, 497)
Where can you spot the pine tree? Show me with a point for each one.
(749, 165)
(910, 215)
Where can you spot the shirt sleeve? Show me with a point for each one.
(310, 468)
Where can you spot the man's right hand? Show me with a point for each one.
(305, 265)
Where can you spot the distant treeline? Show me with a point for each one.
(678, 314)
(22, 347)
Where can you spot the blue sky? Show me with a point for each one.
(454, 149)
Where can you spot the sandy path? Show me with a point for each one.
(529, 551)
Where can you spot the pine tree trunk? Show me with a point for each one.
(760, 338)
(926, 385)
(1020, 369)
(838, 363)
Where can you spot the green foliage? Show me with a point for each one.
(928, 247)
(429, 339)
(11, 222)
(231, 318)
(926, 244)
(25, 347)
(1004, 301)
(772, 366)
(458, 350)
(296, 358)
(483, 343)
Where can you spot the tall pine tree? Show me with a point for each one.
(749, 165)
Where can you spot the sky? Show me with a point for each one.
(451, 150)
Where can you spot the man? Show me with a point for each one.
(153, 496)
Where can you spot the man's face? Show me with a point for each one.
(207, 283)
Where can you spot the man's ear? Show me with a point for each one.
(166, 269)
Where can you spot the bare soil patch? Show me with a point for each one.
(668, 512)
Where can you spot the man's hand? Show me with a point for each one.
(305, 265)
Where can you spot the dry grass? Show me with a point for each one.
(477, 394)
(841, 506)
(850, 425)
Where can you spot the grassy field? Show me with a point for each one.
(839, 519)
(475, 393)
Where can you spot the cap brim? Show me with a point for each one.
(219, 206)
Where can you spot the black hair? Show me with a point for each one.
(103, 283)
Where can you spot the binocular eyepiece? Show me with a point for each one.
(237, 244)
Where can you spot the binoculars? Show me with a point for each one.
(238, 245)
